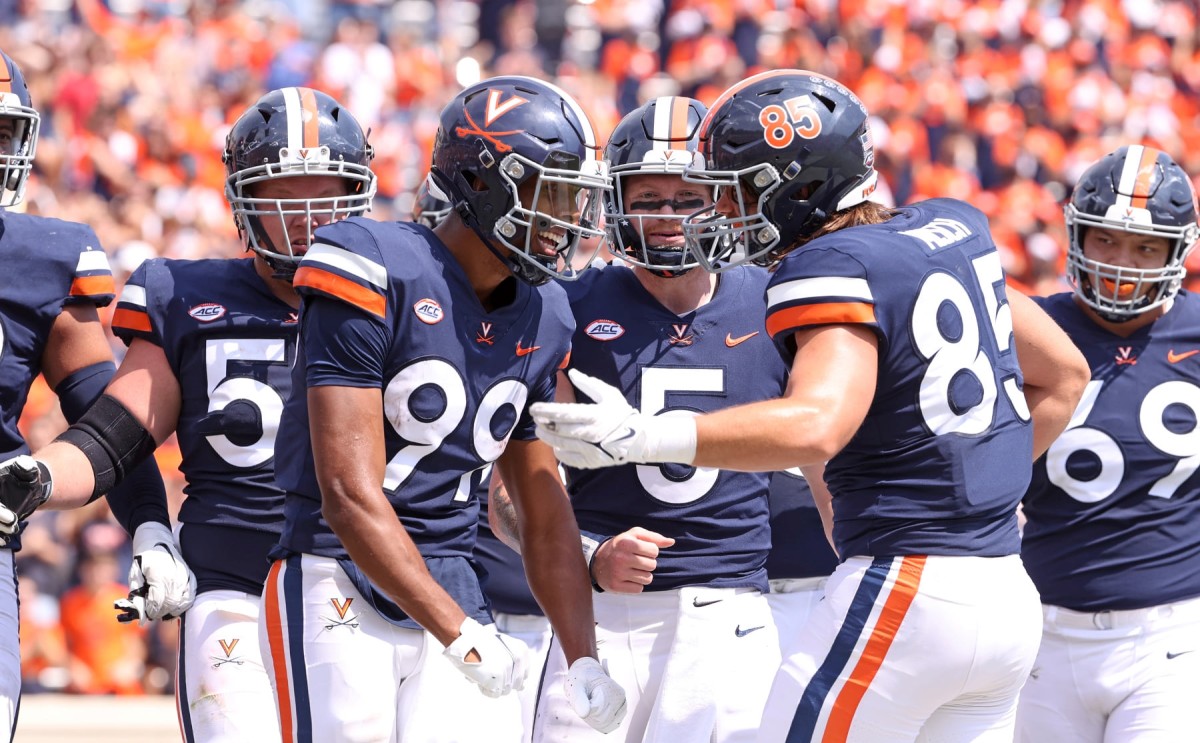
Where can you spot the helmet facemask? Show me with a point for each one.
(16, 161)
(1119, 293)
(714, 237)
(628, 215)
(252, 212)
(553, 210)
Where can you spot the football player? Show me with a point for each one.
(678, 554)
(58, 277)
(211, 344)
(1112, 540)
(904, 378)
(421, 352)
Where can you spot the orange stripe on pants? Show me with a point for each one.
(278, 645)
(908, 579)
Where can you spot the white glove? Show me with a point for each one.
(611, 431)
(161, 585)
(594, 696)
(502, 665)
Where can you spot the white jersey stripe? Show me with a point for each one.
(348, 262)
(92, 260)
(134, 294)
(833, 286)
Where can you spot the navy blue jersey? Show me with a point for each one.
(799, 548)
(387, 306)
(943, 456)
(231, 344)
(712, 358)
(50, 264)
(1114, 506)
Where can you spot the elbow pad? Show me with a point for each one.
(112, 439)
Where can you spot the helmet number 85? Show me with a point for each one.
(1078, 437)
(782, 123)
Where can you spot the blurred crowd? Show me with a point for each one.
(998, 102)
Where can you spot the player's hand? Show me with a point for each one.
(161, 585)
(610, 431)
(594, 696)
(626, 563)
(24, 485)
(502, 665)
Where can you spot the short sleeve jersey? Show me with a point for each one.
(230, 343)
(387, 306)
(1114, 506)
(943, 455)
(50, 264)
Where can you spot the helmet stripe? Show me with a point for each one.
(294, 118)
(1145, 176)
(662, 122)
(679, 119)
(7, 80)
(311, 118)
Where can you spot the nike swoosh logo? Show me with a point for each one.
(743, 632)
(730, 341)
(1173, 656)
(525, 351)
(696, 602)
(1175, 358)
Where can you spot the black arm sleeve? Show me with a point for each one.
(141, 496)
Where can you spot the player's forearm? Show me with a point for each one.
(558, 577)
(1051, 410)
(72, 475)
(502, 515)
(379, 545)
(765, 436)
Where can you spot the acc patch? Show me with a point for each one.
(604, 330)
(207, 312)
(429, 311)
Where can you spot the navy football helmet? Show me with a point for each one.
(510, 134)
(657, 138)
(291, 132)
(1139, 190)
(788, 148)
(429, 208)
(16, 155)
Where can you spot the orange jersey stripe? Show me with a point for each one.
(131, 320)
(834, 313)
(908, 579)
(275, 641)
(1145, 177)
(565, 362)
(84, 286)
(342, 288)
(312, 121)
